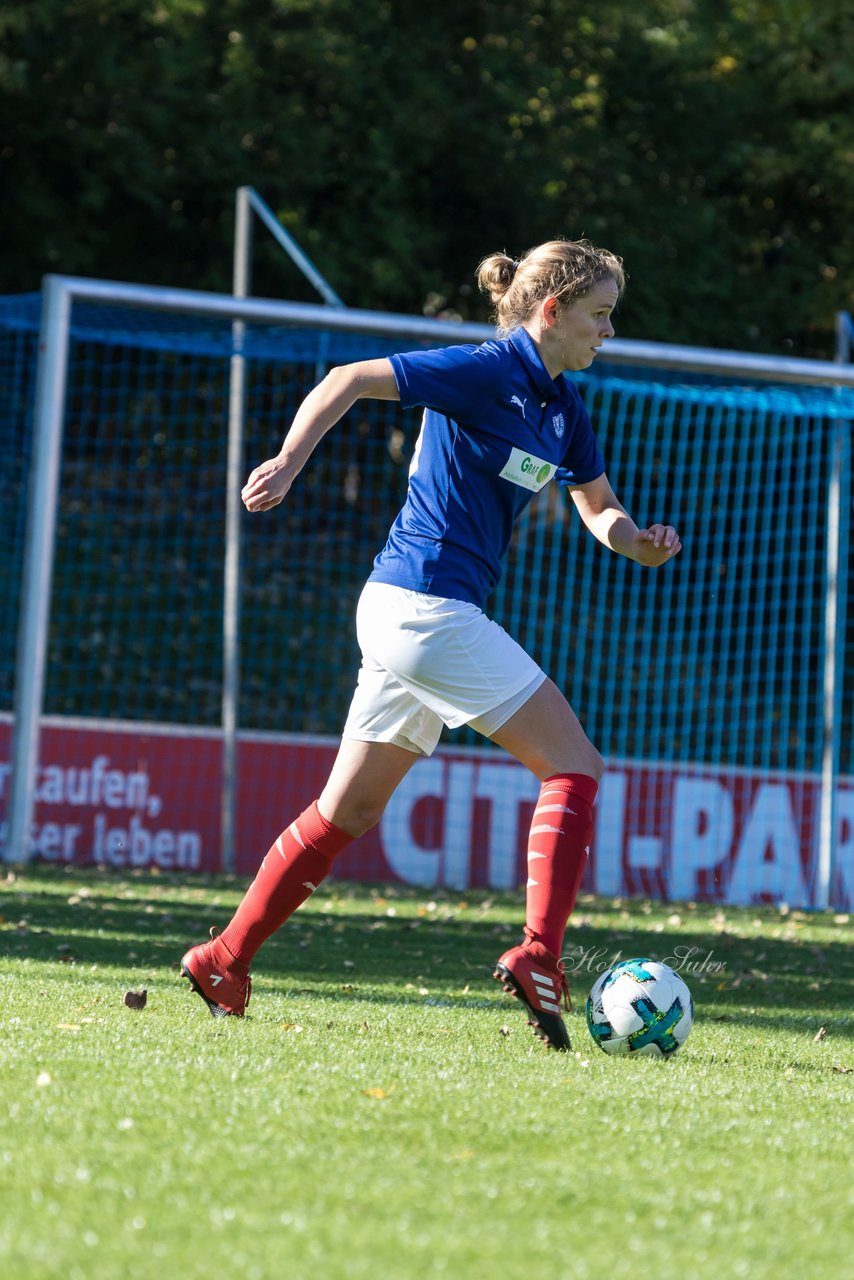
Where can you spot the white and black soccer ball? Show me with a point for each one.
(640, 1007)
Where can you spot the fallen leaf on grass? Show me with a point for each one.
(44, 1078)
(504, 1031)
(378, 1093)
(136, 999)
(843, 1071)
(819, 1035)
(67, 1026)
(290, 1026)
(751, 975)
(465, 1154)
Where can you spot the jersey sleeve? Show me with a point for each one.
(460, 381)
(582, 461)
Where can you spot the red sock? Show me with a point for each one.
(293, 868)
(557, 855)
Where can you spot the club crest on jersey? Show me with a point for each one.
(558, 424)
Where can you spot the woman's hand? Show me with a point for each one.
(268, 484)
(656, 545)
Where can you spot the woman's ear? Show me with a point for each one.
(550, 311)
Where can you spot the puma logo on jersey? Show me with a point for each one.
(521, 404)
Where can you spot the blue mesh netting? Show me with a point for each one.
(717, 659)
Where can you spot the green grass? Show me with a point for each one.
(385, 1111)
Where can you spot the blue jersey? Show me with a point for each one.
(496, 429)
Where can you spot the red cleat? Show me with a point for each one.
(213, 974)
(536, 977)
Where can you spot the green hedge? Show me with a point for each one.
(711, 144)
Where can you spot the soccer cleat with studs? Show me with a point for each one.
(536, 977)
(213, 975)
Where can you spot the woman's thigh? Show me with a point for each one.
(546, 736)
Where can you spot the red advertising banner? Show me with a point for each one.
(140, 795)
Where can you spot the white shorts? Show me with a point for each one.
(428, 661)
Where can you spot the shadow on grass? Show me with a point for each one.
(148, 922)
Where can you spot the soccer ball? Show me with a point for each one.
(640, 1007)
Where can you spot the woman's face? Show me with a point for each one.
(572, 335)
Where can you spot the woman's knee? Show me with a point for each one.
(578, 757)
(355, 815)
(362, 781)
(594, 764)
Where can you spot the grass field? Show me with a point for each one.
(385, 1112)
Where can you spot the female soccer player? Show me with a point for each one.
(500, 422)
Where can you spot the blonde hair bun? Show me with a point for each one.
(495, 276)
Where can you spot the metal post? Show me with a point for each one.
(286, 240)
(231, 583)
(247, 201)
(306, 266)
(832, 685)
(38, 562)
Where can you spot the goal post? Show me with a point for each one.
(677, 430)
(37, 570)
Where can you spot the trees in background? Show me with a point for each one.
(711, 144)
